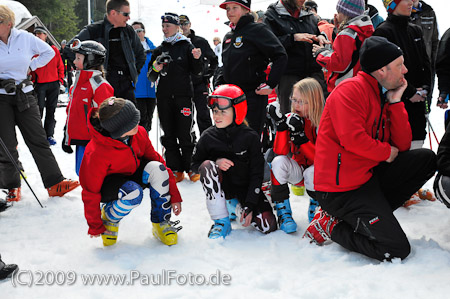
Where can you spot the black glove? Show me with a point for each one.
(66, 148)
(274, 113)
(164, 58)
(444, 99)
(296, 127)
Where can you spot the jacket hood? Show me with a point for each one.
(362, 25)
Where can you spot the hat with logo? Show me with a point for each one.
(244, 3)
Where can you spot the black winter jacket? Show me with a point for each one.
(210, 61)
(247, 51)
(131, 44)
(426, 19)
(241, 145)
(443, 63)
(178, 81)
(300, 59)
(398, 30)
(443, 154)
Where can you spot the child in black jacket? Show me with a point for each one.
(231, 165)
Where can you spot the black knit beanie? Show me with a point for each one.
(171, 18)
(377, 52)
(125, 117)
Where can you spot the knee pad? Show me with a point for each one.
(210, 179)
(155, 175)
(131, 192)
(129, 197)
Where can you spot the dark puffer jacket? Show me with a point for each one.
(246, 52)
(398, 30)
(178, 81)
(284, 26)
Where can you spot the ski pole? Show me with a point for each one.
(431, 127)
(18, 169)
(429, 136)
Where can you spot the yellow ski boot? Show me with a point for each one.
(166, 232)
(112, 230)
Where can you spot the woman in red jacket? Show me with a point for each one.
(119, 162)
(90, 90)
(294, 147)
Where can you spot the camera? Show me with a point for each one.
(9, 85)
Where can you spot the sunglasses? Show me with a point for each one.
(222, 102)
(125, 14)
(139, 30)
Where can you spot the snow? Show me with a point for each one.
(55, 238)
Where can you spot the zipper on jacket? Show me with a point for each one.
(134, 155)
(338, 168)
(383, 126)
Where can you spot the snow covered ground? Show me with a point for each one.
(51, 245)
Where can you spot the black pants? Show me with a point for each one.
(200, 101)
(146, 106)
(122, 84)
(256, 111)
(175, 115)
(368, 225)
(29, 123)
(47, 95)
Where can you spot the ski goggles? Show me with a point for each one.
(222, 102)
(76, 44)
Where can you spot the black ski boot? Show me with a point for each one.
(7, 270)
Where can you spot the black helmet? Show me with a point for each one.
(94, 52)
(441, 188)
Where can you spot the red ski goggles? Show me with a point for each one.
(222, 102)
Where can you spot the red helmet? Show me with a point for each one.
(229, 95)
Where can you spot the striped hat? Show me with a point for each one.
(351, 8)
(391, 5)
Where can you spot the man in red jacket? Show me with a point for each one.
(48, 79)
(364, 169)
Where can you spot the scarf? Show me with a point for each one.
(175, 38)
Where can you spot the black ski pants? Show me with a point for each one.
(175, 115)
(256, 110)
(47, 95)
(368, 225)
(200, 101)
(122, 84)
(147, 107)
(29, 123)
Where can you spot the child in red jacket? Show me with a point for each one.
(119, 162)
(89, 91)
(342, 61)
(294, 147)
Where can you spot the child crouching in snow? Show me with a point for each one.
(231, 165)
(294, 145)
(118, 163)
